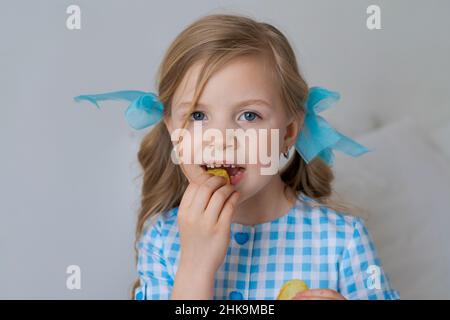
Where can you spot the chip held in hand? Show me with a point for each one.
(221, 173)
(290, 289)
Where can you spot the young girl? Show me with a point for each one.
(199, 237)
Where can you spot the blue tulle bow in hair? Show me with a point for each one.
(317, 137)
(145, 108)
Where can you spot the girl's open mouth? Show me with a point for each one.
(234, 171)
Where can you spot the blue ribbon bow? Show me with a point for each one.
(144, 110)
(317, 137)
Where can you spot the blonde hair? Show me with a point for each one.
(216, 39)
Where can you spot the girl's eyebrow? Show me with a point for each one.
(237, 105)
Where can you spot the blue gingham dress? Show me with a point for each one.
(318, 245)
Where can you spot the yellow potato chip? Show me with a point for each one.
(291, 288)
(220, 172)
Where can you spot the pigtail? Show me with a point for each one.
(163, 182)
(315, 180)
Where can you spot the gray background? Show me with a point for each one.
(68, 172)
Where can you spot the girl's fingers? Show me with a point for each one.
(188, 195)
(205, 191)
(229, 207)
(191, 190)
(217, 202)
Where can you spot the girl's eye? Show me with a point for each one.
(197, 116)
(249, 116)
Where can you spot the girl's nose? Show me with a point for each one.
(225, 140)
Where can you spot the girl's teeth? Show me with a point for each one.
(217, 165)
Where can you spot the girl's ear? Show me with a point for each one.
(292, 130)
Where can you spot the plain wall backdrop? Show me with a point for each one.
(69, 184)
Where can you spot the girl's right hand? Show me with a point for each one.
(204, 219)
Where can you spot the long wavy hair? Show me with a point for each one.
(216, 39)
